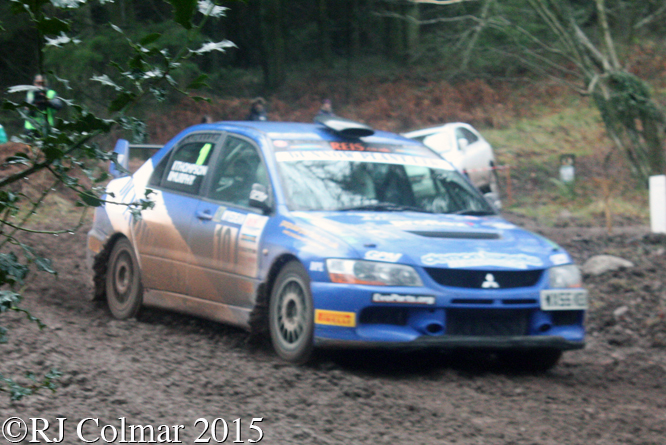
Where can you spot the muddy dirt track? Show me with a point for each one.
(169, 369)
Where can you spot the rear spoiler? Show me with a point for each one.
(122, 150)
(344, 127)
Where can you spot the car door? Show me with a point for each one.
(226, 233)
(162, 232)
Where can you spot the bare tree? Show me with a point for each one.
(586, 59)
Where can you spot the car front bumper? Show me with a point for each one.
(458, 342)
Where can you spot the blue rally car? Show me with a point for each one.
(331, 235)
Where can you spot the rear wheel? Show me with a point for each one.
(291, 314)
(124, 293)
(531, 360)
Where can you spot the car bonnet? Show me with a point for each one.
(438, 240)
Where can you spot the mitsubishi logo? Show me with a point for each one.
(490, 282)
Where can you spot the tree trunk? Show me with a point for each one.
(272, 43)
(412, 31)
(325, 49)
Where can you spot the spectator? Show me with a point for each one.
(258, 110)
(47, 104)
(326, 108)
(206, 119)
(3, 135)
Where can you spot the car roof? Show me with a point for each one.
(297, 131)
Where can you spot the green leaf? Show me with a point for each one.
(199, 82)
(18, 159)
(90, 199)
(8, 300)
(11, 271)
(52, 153)
(121, 101)
(184, 10)
(150, 38)
(215, 46)
(201, 99)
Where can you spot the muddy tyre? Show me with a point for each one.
(291, 314)
(124, 293)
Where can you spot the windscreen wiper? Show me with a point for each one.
(474, 212)
(385, 207)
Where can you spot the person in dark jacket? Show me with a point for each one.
(258, 110)
(326, 108)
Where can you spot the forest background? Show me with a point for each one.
(501, 65)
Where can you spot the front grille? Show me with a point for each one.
(566, 318)
(475, 279)
(487, 322)
(384, 315)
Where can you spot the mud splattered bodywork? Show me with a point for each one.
(372, 240)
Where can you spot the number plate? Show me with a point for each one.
(564, 300)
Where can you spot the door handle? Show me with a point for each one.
(204, 215)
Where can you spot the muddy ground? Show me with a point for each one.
(170, 369)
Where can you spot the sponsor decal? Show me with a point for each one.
(335, 318)
(481, 259)
(255, 221)
(376, 255)
(406, 299)
(559, 258)
(258, 195)
(377, 217)
(217, 217)
(185, 173)
(316, 266)
(192, 169)
(248, 242)
(248, 238)
(201, 137)
(233, 217)
(429, 223)
(303, 234)
(358, 146)
(356, 156)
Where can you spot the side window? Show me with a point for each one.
(158, 171)
(187, 167)
(464, 133)
(236, 171)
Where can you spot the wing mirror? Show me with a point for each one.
(259, 198)
(463, 143)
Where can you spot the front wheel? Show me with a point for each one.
(124, 293)
(291, 314)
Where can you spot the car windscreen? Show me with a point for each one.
(339, 181)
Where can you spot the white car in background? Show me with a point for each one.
(467, 150)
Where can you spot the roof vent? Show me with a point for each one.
(344, 127)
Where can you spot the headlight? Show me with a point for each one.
(371, 272)
(565, 276)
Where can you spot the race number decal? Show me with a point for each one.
(225, 244)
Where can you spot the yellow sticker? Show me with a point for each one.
(335, 318)
(94, 244)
